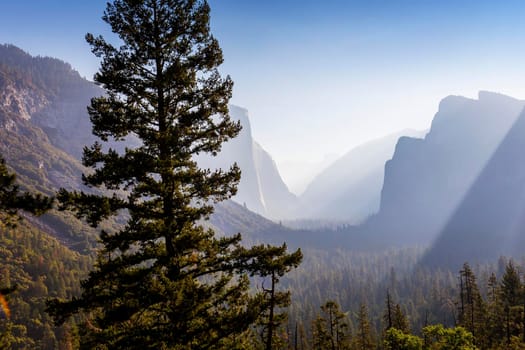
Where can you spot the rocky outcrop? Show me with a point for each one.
(261, 188)
(278, 200)
(427, 179)
(349, 190)
(490, 219)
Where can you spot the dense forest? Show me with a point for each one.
(385, 296)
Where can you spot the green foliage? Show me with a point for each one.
(438, 337)
(162, 281)
(12, 199)
(331, 329)
(363, 339)
(472, 310)
(275, 265)
(396, 339)
(35, 267)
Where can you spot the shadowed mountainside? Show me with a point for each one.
(490, 221)
(427, 179)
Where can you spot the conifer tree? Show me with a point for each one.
(338, 328)
(162, 281)
(12, 199)
(394, 316)
(511, 299)
(472, 311)
(400, 320)
(320, 334)
(495, 314)
(275, 267)
(331, 329)
(363, 338)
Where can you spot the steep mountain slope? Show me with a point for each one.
(44, 125)
(279, 201)
(428, 178)
(350, 188)
(261, 188)
(38, 267)
(39, 164)
(490, 221)
(51, 95)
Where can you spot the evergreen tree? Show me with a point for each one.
(331, 329)
(276, 266)
(162, 281)
(394, 316)
(400, 321)
(511, 285)
(363, 339)
(511, 300)
(389, 312)
(12, 199)
(495, 314)
(472, 311)
(338, 328)
(320, 334)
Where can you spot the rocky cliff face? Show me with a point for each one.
(278, 200)
(261, 188)
(490, 219)
(427, 179)
(50, 95)
(44, 121)
(23, 143)
(349, 190)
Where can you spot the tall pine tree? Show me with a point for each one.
(472, 309)
(162, 281)
(275, 267)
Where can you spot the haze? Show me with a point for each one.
(320, 78)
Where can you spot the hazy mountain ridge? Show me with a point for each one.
(279, 201)
(44, 125)
(261, 188)
(427, 178)
(490, 220)
(350, 188)
(425, 181)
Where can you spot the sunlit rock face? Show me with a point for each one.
(490, 219)
(48, 94)
(279, 201)
(427, 179)
(261, 188)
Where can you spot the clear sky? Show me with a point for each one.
(320, 77)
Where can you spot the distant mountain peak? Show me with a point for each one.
(490, 96)
(426, 179)
(349, 189)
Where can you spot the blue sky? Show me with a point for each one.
(320, 77)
